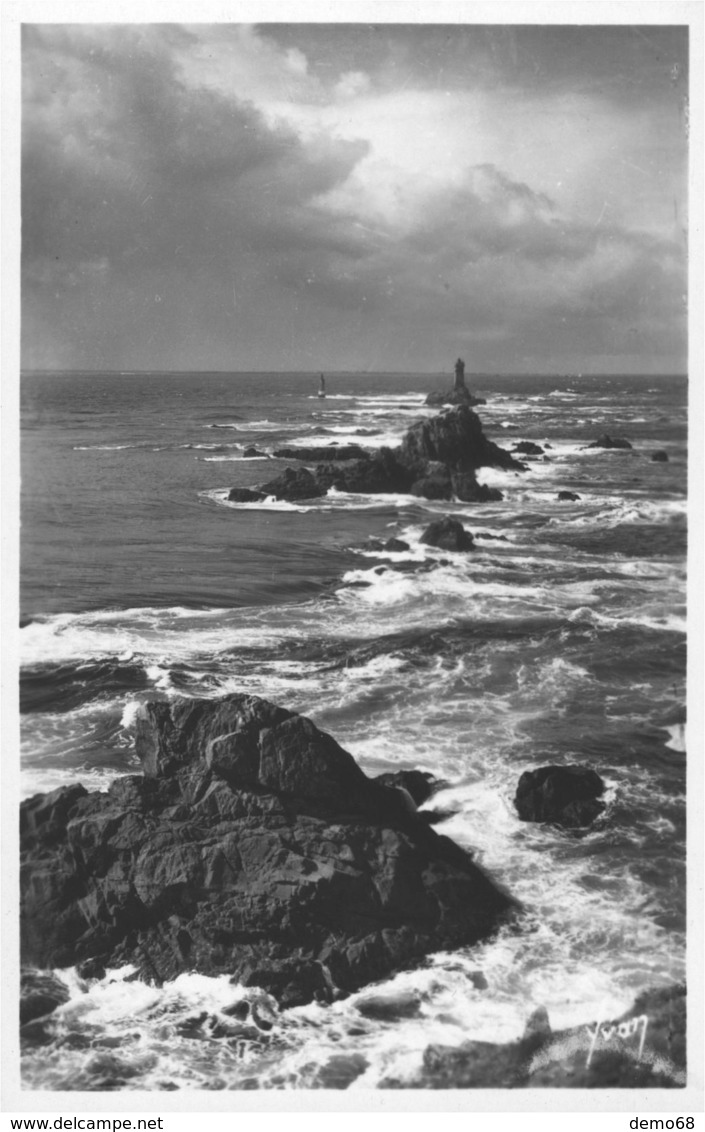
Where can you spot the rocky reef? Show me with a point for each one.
(253, 845)
(437, 459)
(459, 394)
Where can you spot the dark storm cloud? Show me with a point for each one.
(284, 197)
(128, 174)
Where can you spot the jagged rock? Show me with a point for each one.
(437, 459)
(293, 484)
(245, 495)
(661, 456)
(379, 472)
(454, 438)
(564, 795)
(447, 534)
(253, 844)
(568, 496)
(606, 441)
(528, 448)
(40, 994)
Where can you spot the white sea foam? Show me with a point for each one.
(232, 459)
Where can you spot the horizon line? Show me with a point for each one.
(353, 372)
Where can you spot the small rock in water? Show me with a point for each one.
(660, 456)
(448, 534)
(390, 1008)
(607, 441)
(564, 795)
(569, 496)
(478, 980)
(396, 544)
(341, 1070)
(528, 448)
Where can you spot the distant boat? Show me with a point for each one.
(322, 390)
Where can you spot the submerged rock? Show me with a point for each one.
(606, 441)
(660, 456)
(447, 534)
(253, 844)
(568, 496)
(564, 795)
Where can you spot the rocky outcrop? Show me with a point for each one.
(245, 495)
(437, 459)
(293, 484)
(396, 545)
(252, 845)
(447, 534)
(565, 795)
(568, 496)
(454, 438)
(607, 441)
(574, 1058)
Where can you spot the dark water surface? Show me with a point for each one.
(562, 641)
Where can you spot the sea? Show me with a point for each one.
(560, 639)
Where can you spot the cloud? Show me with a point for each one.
(228, 197)
(129, 174)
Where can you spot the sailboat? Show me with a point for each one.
(322, 390)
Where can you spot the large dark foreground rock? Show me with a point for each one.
(437, 459)
(253, 845)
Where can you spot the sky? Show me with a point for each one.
(354, 197)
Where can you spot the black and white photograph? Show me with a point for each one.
(353, 404)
